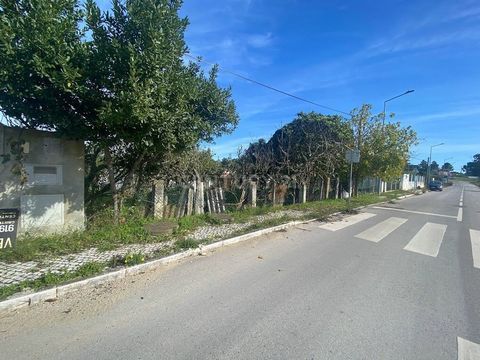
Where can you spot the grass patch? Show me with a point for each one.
(104, 235)
(186, 244)
(53, 279)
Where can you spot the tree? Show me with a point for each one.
(120, 82)
(312, 145)
(423, 168)
(447, 167)
(434, 167)
(472, 168)
(384, 149)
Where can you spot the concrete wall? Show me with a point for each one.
(52, 199)
(411, 182)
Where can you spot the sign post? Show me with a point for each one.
(352, 156)
(8, 228)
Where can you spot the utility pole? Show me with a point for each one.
(429, 170)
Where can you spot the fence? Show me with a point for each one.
(170, 199)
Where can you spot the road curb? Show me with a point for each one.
(60, 291)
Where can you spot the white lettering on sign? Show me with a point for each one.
(7, 228)
(4, 243)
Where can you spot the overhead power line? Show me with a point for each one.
(266, 85)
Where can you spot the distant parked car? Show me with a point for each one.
(435, 185)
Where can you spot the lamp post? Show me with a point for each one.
(430, 161)
(395, 97)
(383, 126)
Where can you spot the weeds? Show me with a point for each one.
(186, 244)
(52, 279)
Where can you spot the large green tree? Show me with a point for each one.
(384, 149)
(472, 168)
(117, 79)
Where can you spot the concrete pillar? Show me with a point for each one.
(303, 199)
(215, 207)
(199, 198)
(274, 185)
(337, 188)
(190, 200)
(158, 191)
(181, 203)
(328, 189)
(253, 194)
(221, 200)
(321, 189)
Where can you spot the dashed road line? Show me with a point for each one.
(460, 209)
(428, 240)
(381, 230)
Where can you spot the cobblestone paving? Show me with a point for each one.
(218, 232)
(15, 273)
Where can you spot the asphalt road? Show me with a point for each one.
(397, 281)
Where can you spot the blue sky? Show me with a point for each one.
(343, 54)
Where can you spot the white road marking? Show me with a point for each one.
(413, 212)
(428, 240)
(338, 225)
(467, 350)
(381, 230)
(475, 240)
(460, 210)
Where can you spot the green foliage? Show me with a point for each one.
(447, 167)
(186, 244)
(384, 149)
(134, 259)
(311, 146)
(473, 167)
(52, 279)
(101, 233)
(90, 269)
(117, 79)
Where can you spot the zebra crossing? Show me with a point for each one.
(427, 241)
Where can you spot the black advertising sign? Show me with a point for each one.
(8, 227)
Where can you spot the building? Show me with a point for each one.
(47, 184)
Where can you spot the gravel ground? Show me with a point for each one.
(222, 231)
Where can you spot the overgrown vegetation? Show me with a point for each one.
(104, 235)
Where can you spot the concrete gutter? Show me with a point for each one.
(62, 290)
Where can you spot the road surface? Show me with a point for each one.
(396, 281)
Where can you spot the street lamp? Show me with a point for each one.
(429, 162)
(385, 103)
(383, 127)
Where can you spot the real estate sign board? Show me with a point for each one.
(8, 227)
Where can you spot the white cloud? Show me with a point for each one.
(445, 115)
(260, 40)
